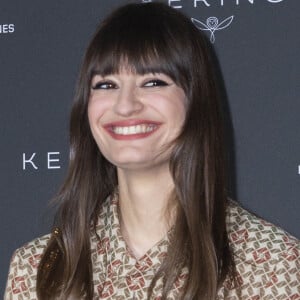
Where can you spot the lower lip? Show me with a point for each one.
(130, 136)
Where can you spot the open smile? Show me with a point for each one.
(131, 129)
(127, 130)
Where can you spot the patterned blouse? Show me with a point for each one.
(267, 260)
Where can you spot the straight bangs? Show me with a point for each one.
(139, 43)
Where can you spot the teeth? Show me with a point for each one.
(127, 130)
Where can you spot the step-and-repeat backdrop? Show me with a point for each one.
(41, 47)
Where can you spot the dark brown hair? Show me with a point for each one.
(148, 37)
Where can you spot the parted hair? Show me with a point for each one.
(148, 37)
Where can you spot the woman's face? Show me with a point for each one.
(134, 118)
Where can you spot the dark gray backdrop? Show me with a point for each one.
(41, 46)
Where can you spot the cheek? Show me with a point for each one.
(91, 114)
(95, 111)
(177, 112)
(178, 105)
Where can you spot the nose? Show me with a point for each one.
(128, 102)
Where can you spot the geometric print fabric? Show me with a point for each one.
(267, 261)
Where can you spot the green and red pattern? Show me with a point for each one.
(267, 260)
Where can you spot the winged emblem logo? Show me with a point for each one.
(212, 24)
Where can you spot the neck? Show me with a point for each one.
(144, 207)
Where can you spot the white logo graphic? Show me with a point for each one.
(212, 25)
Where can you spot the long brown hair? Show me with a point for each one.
(149, 37)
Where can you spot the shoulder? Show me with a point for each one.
(23, 269)
(267, 257)
(31, 253)
(247, 231)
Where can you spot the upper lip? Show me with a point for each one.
(130, 122)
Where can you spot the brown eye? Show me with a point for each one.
(155, 83)
(104, 85)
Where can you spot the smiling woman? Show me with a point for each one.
(143, 212)
(145, 112)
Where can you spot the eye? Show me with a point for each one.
(155, 83)
(104, 85)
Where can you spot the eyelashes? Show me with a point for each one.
(108, 85)
(155, 83)
(104, 85)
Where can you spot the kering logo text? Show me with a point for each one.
(210, 3)
(52, 160)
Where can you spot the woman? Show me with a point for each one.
(143, 212)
